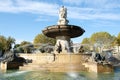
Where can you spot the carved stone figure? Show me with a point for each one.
(10, 56)
(59, 48)
(63, 16)
(63, 13)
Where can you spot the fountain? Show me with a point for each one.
(63, 62)
(63, 31)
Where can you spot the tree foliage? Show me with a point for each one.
(16, 46)
(23, 43)
(100, 39)
(117, 41)
(86, 41)
(6, 43)
(23, 47)
(26, 46)
(9, 43)
(41, 38)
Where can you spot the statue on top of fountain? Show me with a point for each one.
(63, 16)
(63, 12)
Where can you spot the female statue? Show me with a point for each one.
(63, 13)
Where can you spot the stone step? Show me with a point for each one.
(57, 69)
(54, 65)
(54, 68)
(38, 61)
(32, 68)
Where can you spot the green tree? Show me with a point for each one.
(41, 38)
(9, 42)
(2, 42)
(113, 43)
(87, 44)
(86, 41)
(23, 43)
(18, 49)
(117, 41)
(16, 46)
(0, 46)
(6, 43)
(102, 39)
(25, 46)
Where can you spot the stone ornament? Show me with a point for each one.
(63, 16)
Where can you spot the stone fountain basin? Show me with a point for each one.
(63, 30)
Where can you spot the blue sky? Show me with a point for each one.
(24, 19)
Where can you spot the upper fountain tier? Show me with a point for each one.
(63, 29)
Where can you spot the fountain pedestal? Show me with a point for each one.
(65, 43)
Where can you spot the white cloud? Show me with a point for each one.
(94, 3)
(76, 2)
(91, 11)
(41, 18)
(18, 41)
(6, 6)
(85, 2)
(28, 6)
